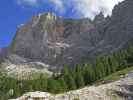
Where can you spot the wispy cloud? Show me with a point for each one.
(58, 4)
(28, 2)
(86, 8)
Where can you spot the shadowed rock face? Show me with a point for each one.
(57, 41)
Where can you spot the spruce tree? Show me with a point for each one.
(113, 64)
(107, 65)
(88, 74)
(78, 76)
(43, 83)
(70, 82)
(62, 84)
(53, 86)
(79, 80)
(65, 71)
(100, 70)
(68, 77)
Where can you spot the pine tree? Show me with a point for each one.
(65, 71)
(100, 70)
(79, 80)
(78, 76)
(106, 65)
(16, 91)
(71, 82)
(53, 86)
(114, 65)
(63, 84)
(43, 83)
(88, 73)
(68, 77)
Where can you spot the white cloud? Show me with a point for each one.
(28, 2)
(58, 3)
(90, 8)
(85, 8)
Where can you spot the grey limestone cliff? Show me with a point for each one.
(57, 41)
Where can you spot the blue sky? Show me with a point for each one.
(16, 12)
(12, 15)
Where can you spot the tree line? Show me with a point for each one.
(70, 78)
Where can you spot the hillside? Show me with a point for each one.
(121, 89)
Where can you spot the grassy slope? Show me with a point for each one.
(117, 75)
(114, 76)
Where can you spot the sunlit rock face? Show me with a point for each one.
(57, 41)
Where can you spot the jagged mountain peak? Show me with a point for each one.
(48, 15)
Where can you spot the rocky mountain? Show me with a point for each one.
(56, 41)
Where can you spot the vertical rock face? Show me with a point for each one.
(57, 41)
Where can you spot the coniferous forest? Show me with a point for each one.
(69, 78)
